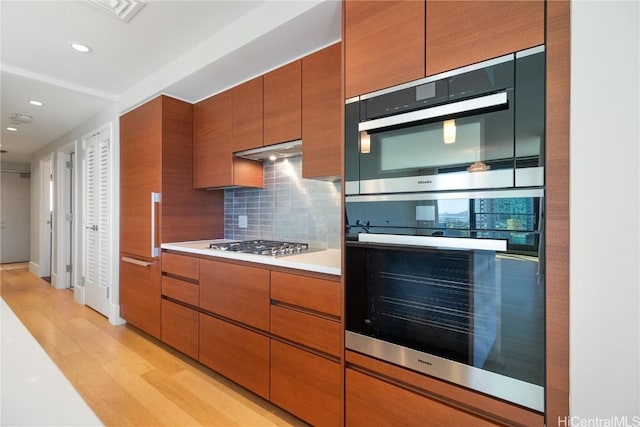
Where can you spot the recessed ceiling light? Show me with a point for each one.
(80, 47)
(12, 129)
(36, 103)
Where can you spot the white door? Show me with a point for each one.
(14, 216)
(46, 218)
(96, 221)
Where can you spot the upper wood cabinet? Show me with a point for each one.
(392, 42)
(246, 117)
(384, 44)
(283, 104)
(322, 130)
(214, 165)
(465, 32)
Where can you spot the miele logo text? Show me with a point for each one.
(426, 181)
(425, 362)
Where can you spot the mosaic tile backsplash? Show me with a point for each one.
(287, 208)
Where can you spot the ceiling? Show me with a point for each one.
(186, 49)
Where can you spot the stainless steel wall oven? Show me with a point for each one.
(444, 259)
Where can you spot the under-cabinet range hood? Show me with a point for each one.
(273, 152)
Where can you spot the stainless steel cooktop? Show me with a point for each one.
(273, 248)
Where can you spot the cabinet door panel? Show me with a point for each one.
(140, 175)
(237, 292)
(237, 353)
(180, 290)
(322, 107)
(460, 33)
(212, 158)
(180, 328)
(384, 44)
(370, 401)
(140, 295)
(283, 104)
(246, 129)
(312, 331)
(315, 294)
(180, 265)
(306, 385)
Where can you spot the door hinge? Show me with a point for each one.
(70, 164)
(82, 281)
(68, 268)
(107, 293)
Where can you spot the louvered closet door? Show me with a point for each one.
(97, 221)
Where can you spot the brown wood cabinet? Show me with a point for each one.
(384, 44)
(156, 157)
(140, 294)
(322, 107)
(283, 104)
(235, 352)
(246, 116)
(389, 381)
(465, 32)
(307, 385)
(214, 165)
(370, 401)
(180, 328)
(392, 42)
(237, 292)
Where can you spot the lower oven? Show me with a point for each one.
(451, 285)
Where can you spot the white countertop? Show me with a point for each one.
(34, 391)
(326, 261)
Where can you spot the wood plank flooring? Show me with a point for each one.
(126, 377)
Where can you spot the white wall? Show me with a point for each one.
(605, 214)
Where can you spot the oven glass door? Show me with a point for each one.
(456, 151)
(436, 282)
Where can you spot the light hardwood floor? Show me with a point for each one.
(126, 377)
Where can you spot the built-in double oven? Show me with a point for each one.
(444, 241)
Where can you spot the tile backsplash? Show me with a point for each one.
(287, 208)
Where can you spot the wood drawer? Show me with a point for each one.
(235, 352)
(180, 290)
(180, 328)
(180, 265)
(308, 330)
(320, 295)
(370, 401)
(236, 292)
(306, 385)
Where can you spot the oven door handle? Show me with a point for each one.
(498, 245)
(480, 103)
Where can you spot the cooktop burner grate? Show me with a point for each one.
(262, 247)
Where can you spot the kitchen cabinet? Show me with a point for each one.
(180, 328)
(236, 292)
(322, 106)
(385, 394)
(392, 42)
(158, 203)
(240, 354)
(246, 115)
(372, 401)
(465, 32)
(180, 296)
(306, 347)
(384, 44)
(283, 104)
(307, 385)
(214, 165)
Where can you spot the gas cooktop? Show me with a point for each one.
(273, 248)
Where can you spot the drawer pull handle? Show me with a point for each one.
(136, 261)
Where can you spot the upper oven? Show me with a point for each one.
(477, 127)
